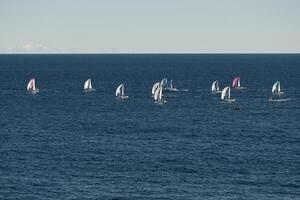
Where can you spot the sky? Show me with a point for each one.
(150, 26)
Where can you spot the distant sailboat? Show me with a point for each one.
(171, 87)
(88, 85)
(171, 84)
(158, 94)
(236, 83)
(120, 92)
(226, 96)
(155, 86)
(164, 83)
(215, 87)
(31, 86)
(276, 89)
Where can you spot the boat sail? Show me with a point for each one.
(226, 95)
(88, 85)
(276, 89)
(236, 83)
(158, 94)
(215, 87)
(171, 87)
(171, 84)
(164, 83)
(31, 86)
(155, 86)
(120, 92)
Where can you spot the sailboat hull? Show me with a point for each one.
(278, 93)
(161, 101)
(239, 88)
(33, 91)
(123, 97)
(216, 92)
(89, 90)
(228, 100)
(172, 89)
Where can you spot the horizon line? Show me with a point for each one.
(142, 53)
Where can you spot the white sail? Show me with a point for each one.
(215, 86)
(157, 93)
(155, 86)
(120, 90)
(160, 93)
(275, 87)
(88, 84)
(163, 82)
(31, 85)
(171, 84)
(225, 93)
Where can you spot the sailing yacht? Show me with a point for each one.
(236, 83)
(88, 85)
(276, 89)
(155, 86)
(226, 96)
(120, 92)
(158, 94)
(31, 86)
(171, 87)
(215, 87)
(164, 83)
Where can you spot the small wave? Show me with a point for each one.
(290, 185)
(183, 90)
(281, 100)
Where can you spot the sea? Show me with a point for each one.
(65, 143)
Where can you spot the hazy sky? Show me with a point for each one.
(133, 26)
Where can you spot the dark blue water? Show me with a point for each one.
(63, 143)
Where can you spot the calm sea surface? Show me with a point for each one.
(64, 143)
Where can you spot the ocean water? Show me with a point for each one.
(64, 143)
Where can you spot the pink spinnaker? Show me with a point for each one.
(235, 82)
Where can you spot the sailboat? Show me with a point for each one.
(88, 85)
(120, 92)
(276, 89)
(155, 86)
(225, 96)
(164, 83)
(171, 88)
(31, 86)
(236, 83)
(215, 87)
(158, 94)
